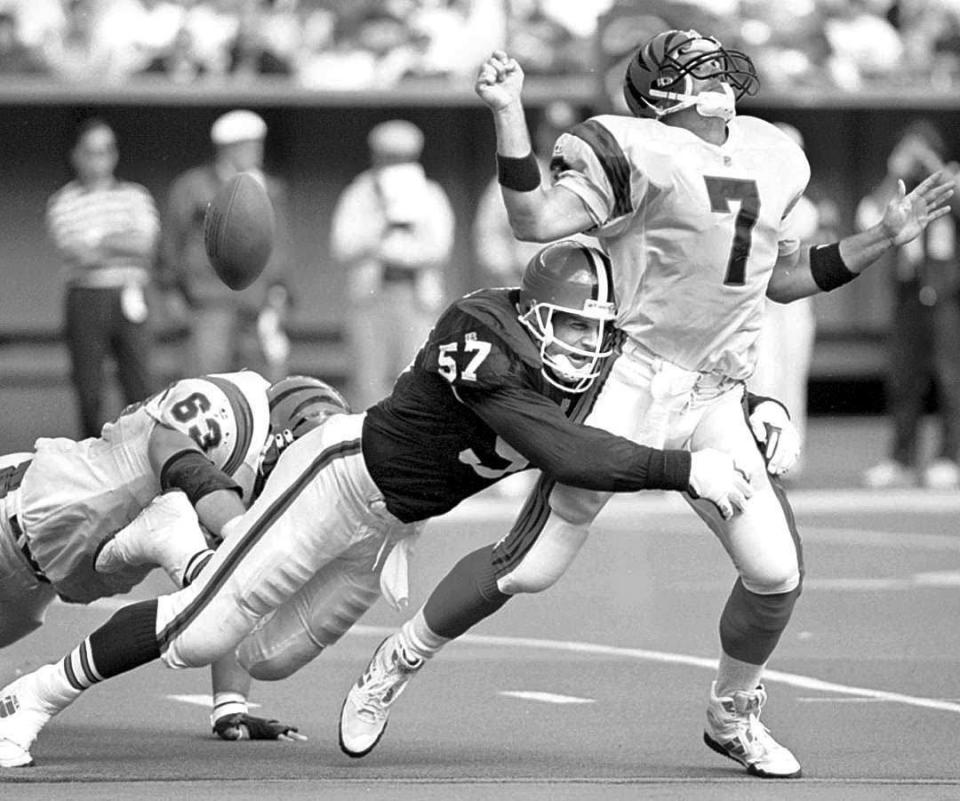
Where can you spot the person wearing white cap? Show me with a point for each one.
(392, 232)
(227, 328)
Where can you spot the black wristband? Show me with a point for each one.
(669, 470)
(828, 268)
(521, 175)
(196, 475)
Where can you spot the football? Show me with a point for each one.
(238, 230)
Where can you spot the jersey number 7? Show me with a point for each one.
(721, 191)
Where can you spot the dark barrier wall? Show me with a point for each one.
(318, 145)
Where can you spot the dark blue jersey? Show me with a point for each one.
(475, 407)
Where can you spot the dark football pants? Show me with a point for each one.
(96, 328)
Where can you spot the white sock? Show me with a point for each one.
(734, 675)
(54, 688)
(228, 703)
(417, 640)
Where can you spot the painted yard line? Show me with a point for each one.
(199, 699)
(547, 698)
(486, 508)
(817, 699)
(664, 657)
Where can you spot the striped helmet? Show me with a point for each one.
(299, 403)
(660, 75)
(568, 277)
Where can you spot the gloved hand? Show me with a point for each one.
(777, 437)
(239, 726)
(715, 477)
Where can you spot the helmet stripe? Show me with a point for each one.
(612, 159)
(243, 416)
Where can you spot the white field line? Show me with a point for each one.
(547, 698)
(664, 657)
(627, 507)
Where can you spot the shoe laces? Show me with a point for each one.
(384, 680)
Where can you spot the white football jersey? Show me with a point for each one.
(74, 494)
(693, 229)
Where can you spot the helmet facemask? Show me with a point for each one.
(565, 366)
(572, 279)
(660, 78)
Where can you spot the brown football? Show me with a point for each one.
(238, 230)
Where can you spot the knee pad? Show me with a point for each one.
(548, 559)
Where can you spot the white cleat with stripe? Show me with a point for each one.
(734, 730)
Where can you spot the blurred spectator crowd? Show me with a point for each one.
(361, 44)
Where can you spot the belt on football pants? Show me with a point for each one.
(21, 540)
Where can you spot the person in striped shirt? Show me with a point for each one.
(105, 230)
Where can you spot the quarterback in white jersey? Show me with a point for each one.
(700, 225)
(692, 204)
(61, 504)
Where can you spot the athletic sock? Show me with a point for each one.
(733, 675)
(228, 703)
(465, 596)
(195, 564)
(125, 641)
(418, 641)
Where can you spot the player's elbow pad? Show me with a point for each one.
(196, 475)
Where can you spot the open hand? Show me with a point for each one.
(906, 215)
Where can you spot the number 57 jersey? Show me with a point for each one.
(75, 494)
(693, 229)
(442, 435)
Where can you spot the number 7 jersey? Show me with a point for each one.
(693, 229)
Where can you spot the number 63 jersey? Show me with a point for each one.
(75, 494)
(693, 229)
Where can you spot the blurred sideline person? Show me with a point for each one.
(503, 383)
(788, 331)
(228, 329)
(105, 230)
(392, 233)
(684, 199)
(924, 336)
(83, 520)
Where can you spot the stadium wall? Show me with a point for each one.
(317, 142)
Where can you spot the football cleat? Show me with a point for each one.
(734, 730)
(365, 711)
(22, 716)
(166, 533)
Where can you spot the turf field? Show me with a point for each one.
(595, 689)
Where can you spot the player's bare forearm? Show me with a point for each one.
(219, 508)
(510, 123)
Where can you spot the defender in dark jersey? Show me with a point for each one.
(501, 383)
